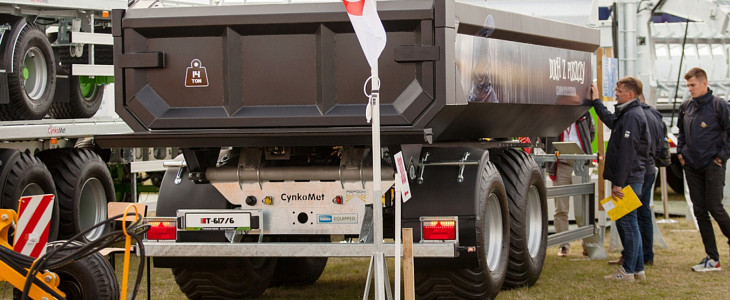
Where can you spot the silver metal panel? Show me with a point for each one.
(71, 4)
(525, 29)
(92, 70)
(171, 249)
(149, 166)
(92, 38)
(70, 128)
(292, 199)
(570, 190)
(563, 237)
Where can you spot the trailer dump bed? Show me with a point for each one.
(293, 74)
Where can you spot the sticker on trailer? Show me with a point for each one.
(402, 176)
(356, 194)
(34, 222)
(217, 221)
(337, 219)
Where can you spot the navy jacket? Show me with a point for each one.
(656, 132)
(703, 130)
(628, 147)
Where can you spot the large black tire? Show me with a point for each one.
(84, 99)
(32, 83)
(528, 216)
(24, 175)
(492, 231)
(84, 187)
(299, 271)
(228, 278)
(89, 278)
(209, 278)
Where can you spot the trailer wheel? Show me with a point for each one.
(89, 278)
(84, 99)
(492, 232)
(25, 175)
(299, 271)
(230, 278)
(32, 83)
(84, 187)
(528, 214)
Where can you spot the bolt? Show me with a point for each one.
(4, 217)
(48, 278)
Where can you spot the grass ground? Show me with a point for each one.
(572, 277)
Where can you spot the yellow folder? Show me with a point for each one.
(618, 209)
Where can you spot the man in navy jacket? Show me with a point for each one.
(703, 148)
(625, 165)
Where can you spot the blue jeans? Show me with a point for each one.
(646, 228)
(628, 230)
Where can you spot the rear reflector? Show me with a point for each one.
(439, 228)
(161, 229)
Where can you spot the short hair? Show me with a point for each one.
(631, 84)
(696, 73)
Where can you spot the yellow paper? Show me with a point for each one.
(618, 209)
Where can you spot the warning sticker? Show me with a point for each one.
(196, 75)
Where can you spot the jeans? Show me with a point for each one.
(628, 230)
(705, 190)
(646, 228)
(643, 215)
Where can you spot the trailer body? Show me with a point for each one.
(266, 103)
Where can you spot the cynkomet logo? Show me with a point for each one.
(302, 197)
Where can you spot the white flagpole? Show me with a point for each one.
(377, 189)
(398, 188)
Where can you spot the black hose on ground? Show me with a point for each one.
(21, 262)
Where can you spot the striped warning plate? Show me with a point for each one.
(34, 221)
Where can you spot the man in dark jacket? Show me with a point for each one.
(581, 132)
(703, 148)
(657, 130)
(625, 165)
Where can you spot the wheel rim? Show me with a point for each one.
(493, 233)
(92, 207)
(534, 221)
(35, 73)
(71, 288)
(87, 88)
(32, 189)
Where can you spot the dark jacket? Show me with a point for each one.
(628, 147)
(703, 128)
(657, 131)
(586, 132)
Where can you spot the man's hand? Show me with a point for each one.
(594, 92)
(681, 159)
(616, 192)
(717, 161)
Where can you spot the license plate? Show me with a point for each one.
(217, 221)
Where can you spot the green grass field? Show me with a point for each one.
(572, 277)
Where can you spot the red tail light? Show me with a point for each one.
(162, 230)
(439, 229)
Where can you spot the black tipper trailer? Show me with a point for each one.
(278, 100)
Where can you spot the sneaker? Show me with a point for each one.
(619, 261)
(563, 251)
(620, 275)
(641, 275)
(707, 265)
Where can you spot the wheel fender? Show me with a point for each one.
(441, 194)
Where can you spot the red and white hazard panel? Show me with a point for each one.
(34, 222)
